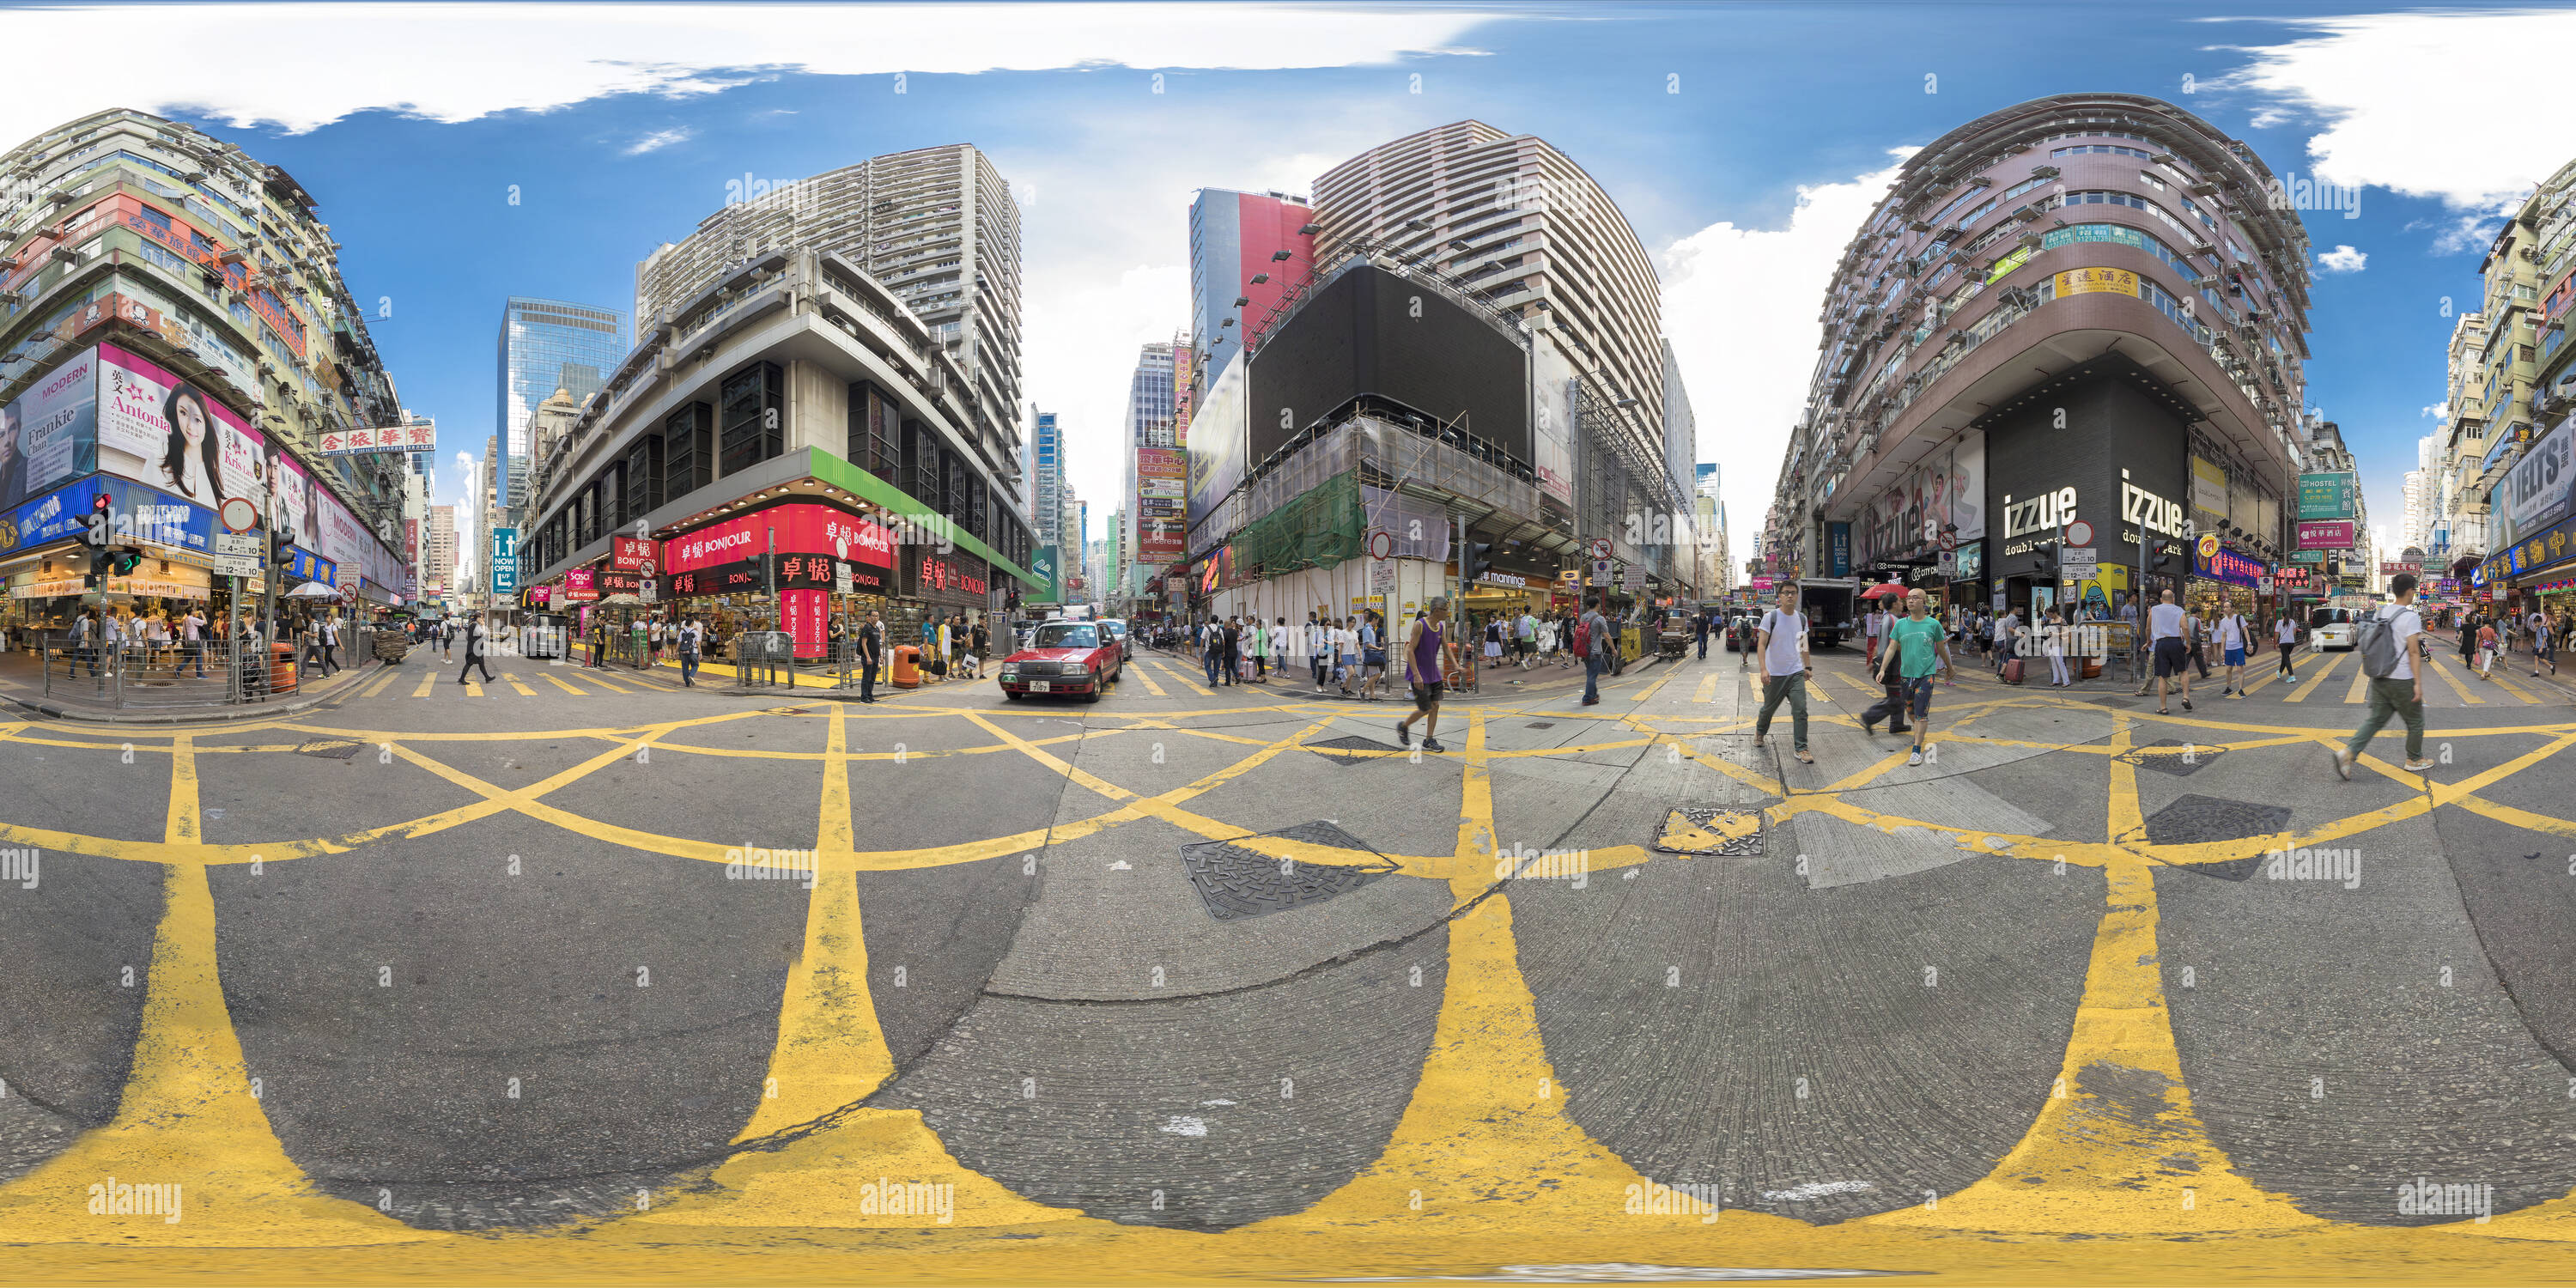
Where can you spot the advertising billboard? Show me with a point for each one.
(2324, 534)
(802, 528)
(1217, 442)
(2536, 492)
(1162, 492)
(1552, 382)
(2329, 496)
(1042, 565)
(633, 554)
(1368, 331)
(166, 433)
(505, 561)
(49, 434)
(141, 514)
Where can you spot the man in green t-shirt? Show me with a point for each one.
(1917, 646)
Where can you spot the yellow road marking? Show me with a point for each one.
(2510, 686)
(1707, 690)
(1145, 675)
(524, 690)
(474, 688)
(427, 679)
(557, 681)
(1194, 686)
(603, 681)
(382, 683)
(2457, 686)
(180, 827)
(2360, 685)
(2309, 685)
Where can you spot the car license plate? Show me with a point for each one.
(1040, 686)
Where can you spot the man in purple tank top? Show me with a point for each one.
(1425, 650)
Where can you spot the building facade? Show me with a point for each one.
(175, 333)
(545, 346)
(1047, 486)
(792, 446)
(2088, 307)
(1150, 524)
(1246, 250)
(935, 227)
(2523, 479)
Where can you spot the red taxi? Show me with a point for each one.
(1063, 657)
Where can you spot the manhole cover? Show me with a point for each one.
(2209, 818)
(1702, 830)
(328, 749)
(1236, 881)
(2122, 703)
(1355, 742)
(2172, 756)
(1538, 724)
(783, 711)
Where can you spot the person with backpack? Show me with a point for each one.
(2232, 639)
(685, 637)
(2544, 646)
(2393, 657)
(1785, 668)
(1592, 645)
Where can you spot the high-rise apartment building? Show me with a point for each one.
(545, 346)
(1151, 519)
(1047, 490)
(142, 256)
(1246, 250)
(1523, 227)
(935, 226)
(2522, 478)
(2084, 306)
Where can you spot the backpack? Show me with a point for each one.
(2376, 640)
(1582, 637)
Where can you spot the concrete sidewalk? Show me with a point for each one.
(23, 687)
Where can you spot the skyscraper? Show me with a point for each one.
(548, 345)
(1246, 250)
(1149, 521)
(1047, 491)
(936, 225)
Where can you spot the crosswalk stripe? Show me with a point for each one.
(2511, 687)
(551, 678)
(523, 690)
(2360, 685)
(2319, 678)
(1194, 686)
(474, 688)
(603, 681)
(2454, 681)
(1707, 691)
(1145, 675)
(427, 679)
(382, 683)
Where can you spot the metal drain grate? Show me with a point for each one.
(1355, 742)
(1690, 829)
(2179, 758)
(1236, 882)
(2210, 818)
(328, 749)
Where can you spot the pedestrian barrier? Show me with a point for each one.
(148, 675)
(763, 659)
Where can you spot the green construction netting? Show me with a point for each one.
(1318, 528)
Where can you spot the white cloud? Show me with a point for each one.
(2434, 409)
(458, 62)
(2388, 88)
(658, 140)
(2343, 259)
(1740, 306)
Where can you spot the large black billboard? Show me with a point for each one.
(1372, 332)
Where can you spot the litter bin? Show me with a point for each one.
(281, 667)
(907, 666)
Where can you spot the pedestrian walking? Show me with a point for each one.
(475, 637)
(2165, 627)
(980, 639)
(1699, 628)
(1425, 650)
(1872, 624)
(1347, 640)
(1256, 641)
(193, 632)
(1592, 642)
(1372, 655)
(1525, 639)
(871, 656)
(2544, 646)
(1917, 647)
(1785, 668)
(2393, 656)
(2286, 633)
(329, 634)
(2232, 639)
(687, 642)
(2052, 640)
(2486, 650)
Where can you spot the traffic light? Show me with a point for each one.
(101, 523)
(281, 547)
(1474, 560)
(123, 562)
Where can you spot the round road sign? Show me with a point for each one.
(2079, 533)
(1381, 544)
(239, 514)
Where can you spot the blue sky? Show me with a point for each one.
(1744, 142)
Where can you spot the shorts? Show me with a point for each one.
(1426, 695)
(2172, 658)
(1918, 695)
(2236, 657)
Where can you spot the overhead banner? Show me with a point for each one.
(2329, 496)
(2315, 534)
(2209, 489)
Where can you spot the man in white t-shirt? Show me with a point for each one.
(2233, 639)
(2401, 691)
(1783, 641)
(2166, 626)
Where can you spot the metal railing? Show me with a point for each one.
(148, 675)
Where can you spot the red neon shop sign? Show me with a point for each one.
(941, 574)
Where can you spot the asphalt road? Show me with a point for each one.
(583, 956)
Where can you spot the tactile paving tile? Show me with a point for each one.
(2211, 818)
(2176, 763)
(1235, 882)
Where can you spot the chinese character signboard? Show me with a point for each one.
(633, 554)
(2325, 535)
(2329, 496)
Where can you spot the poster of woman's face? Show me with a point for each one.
(165, 433)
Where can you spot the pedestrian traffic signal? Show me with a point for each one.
(101, 523)
(281, 547)
(1474, 560)
(124, 562)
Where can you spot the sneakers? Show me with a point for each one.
(1916, 758)
(2418, 766)
(2343, 763)
(1404, 735)
(1868, 725)
(1432, 744)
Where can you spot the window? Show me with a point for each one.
(754, 415)
(2110, 149)
(2151, 180)
(688, 445)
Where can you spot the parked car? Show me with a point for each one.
(1117, 631)
(1063, 657)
